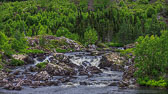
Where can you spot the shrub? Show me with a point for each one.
(32, 51)
(151, 56)
(59, 50)
(4, 45)
(143, 1)
(19, 42)
(151, 11)
(90, 36)
(41, 65)
(111, 44)
(65, 32)
(15, 62)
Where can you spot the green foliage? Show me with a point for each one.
(65, 32)
(111, 44)
(32, 51)
(3, 39)
(70, 18)
(15, 62)
(19, 42)
(153, 83)
(151, 56)
(4, 44)
(42, 41)
(41, 65)
(127, 52)
(151, 11)
(143, 1)
(102, 45)
(59, 50)
(90, 36)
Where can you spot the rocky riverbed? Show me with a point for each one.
(72, 73)
(85, 70)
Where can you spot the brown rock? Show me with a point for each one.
(42, 76)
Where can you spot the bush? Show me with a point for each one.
(15, 62)
(61, 50)
(143, 1)
(65, 32)
(151, 56)
(111, 44)
(151, 11)
(32, 51)
(41, 65)
(90, 36)
(4, 45)
(19, 42)
(154, 83)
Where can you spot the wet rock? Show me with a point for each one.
(33, 69)
(19, 85)
(93, 70)
(123, 84)
(17, 72)
(51, 83)
(42, 76)
(61, 57)
(132, 86)
(113, 84)
(2, 75)
(90, 70)
(59, 69)
(27, 82)
(3, 82)
(64, 80)
(112, 60)
(9, 86)
(36, 84)
(84, 83)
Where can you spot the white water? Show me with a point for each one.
(84, 59)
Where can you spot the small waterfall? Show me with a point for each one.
(84, 59)
(47, 59)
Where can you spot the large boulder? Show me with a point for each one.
(59, 69)
(112, 60)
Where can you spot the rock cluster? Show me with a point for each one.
(112, 60)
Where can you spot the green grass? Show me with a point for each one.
(15, 62)
(42, 65)
(32, 51)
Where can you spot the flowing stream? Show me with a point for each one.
(96, 84)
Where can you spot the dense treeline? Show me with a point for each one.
(88, 22)
(122, 22)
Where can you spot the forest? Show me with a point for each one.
(104, 23)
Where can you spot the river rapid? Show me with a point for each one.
(105, 82)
